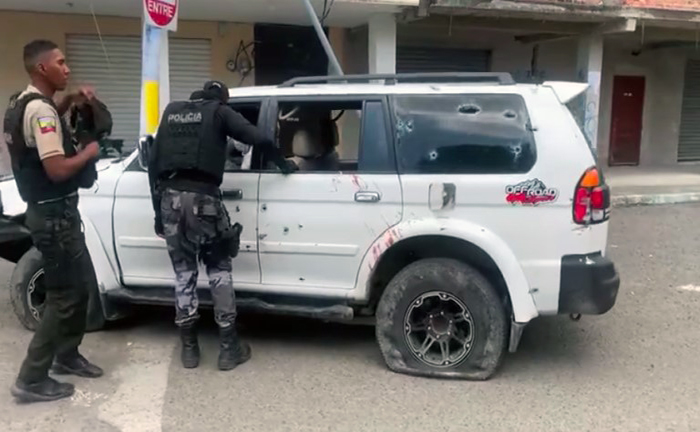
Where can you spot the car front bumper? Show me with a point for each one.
(589, 284)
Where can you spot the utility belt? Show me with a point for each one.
(191, 181)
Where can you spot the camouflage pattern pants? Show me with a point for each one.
(192, 225)
(69, 276)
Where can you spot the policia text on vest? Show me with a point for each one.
(186, 168)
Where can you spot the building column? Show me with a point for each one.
(589, 69)
(382, 44)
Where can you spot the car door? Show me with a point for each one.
(316, 225)
(143, 256)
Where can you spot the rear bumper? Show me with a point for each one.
(589, 284)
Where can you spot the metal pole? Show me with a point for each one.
(322, 37)
(150, 77)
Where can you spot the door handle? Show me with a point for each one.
(232, 194)
(367, 197)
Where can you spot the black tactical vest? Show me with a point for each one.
(189, 139)
(32, 181)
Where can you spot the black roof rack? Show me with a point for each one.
(502, 78)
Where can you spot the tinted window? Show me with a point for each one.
(328, 135)
(471, 134)
(236, 151)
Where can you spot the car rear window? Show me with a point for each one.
(463, 134)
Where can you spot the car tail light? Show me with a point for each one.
(591, 199)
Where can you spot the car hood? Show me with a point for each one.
(12, 203)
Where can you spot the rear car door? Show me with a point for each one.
(316, 225)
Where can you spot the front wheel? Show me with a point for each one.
(28, 294)
(441, 318)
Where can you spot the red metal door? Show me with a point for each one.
(626, 120)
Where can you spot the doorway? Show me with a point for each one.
(626, 120)
(284, 52)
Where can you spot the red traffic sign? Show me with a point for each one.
(162, 13)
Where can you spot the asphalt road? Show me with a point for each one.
(633, 369)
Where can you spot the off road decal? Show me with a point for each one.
(47, 124)
(531, 192)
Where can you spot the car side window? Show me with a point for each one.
(341, 135)
(239, 155)
(463, 134)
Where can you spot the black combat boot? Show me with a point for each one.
(75, 364)
(190, 347)
(233, 351)
(43, 391)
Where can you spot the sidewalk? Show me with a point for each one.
(633, 186)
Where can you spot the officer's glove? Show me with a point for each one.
(160, 230)
(290, 167)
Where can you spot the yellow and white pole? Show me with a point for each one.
(150, 77)
(159, 18)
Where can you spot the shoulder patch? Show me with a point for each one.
(47, 124)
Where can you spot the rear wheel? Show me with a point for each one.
(441, 318)
(28, 294)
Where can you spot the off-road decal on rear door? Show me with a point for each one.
(531, 192)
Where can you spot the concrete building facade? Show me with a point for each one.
(640, 57)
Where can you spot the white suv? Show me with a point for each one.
(452, 208)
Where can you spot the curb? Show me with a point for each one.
(658, 199)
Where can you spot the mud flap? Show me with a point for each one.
(15, 239)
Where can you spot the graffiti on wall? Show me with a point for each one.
(585, 108)
(590, 124)
(679, 5)
(568, 2)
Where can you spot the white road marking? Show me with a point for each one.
(137, 405)
(691, 288)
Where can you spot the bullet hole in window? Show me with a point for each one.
(469, 109)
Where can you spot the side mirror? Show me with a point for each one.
(144, 146)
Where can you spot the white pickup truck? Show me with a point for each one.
(450, 211)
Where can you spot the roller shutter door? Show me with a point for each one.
(119, 85)
(411, 59)
(689, 141)
(190, 66)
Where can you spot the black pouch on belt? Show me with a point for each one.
(231, 234)
(234, 236)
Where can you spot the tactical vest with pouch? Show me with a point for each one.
(33, 183)
(190, 141)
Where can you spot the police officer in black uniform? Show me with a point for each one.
(49, 170)
(186, 168)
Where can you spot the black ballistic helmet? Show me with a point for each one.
(217, 89)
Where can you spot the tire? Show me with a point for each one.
(27, 294)
(408, 320)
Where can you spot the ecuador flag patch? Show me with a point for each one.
(47, 124)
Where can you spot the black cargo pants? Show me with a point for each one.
(69, 275)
